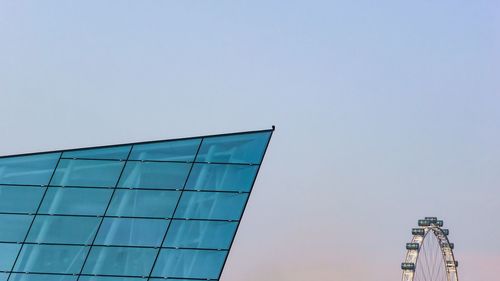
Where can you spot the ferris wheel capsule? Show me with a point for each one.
(424, 222)
(412, 246)
(418, 231)
(407, 266)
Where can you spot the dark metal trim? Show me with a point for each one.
(140, 142)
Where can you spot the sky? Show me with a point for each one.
(385, 112)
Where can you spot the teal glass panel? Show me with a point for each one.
(120, 261)
(200, 234)
(239, 148)
(51, 259)
(177, 279)
(189, 263)
(225, 177)
(178, 150)
(131, 232)
(109, 278)
(154, 175)
(41, 277)
(75, 201)
(115, 152)
(143, 203)
(96, 173)
(8, 254)
(13, 228)
(4, 276)
(64, 230)
(20, 199)
(211, 205)
(31, 170)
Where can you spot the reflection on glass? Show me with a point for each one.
(143, 203)
(154, 175)
(51, 259)
(109, 278)
(189, 263)
(96, 173)
(115, 152)
(65, 230)
(200, 234)
(120, 261)
(191, 192)
(8, 253)
(131, 232)
(31, 169)
(75, 201)
(240, 148)
(41, 277)
(211, 205)
(13, 228)
(223, 177)
(178, 150)
(20, 199)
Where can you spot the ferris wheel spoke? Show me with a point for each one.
(435, 260)
(427, 263)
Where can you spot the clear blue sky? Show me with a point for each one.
(386, 111)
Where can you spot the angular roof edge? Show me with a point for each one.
(140, 142)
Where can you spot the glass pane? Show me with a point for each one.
(179, 150)
(51, 259)
(120, 261)
(97, 173)
(4, 276)
(177, 279)
(75, 201)
(41, 277)
(13, 228)
(200, 234)
(65, 230)
(211, 205)
(32, 169)
(225, 177)
(131, 232)
(107, 278)
(115, 152)
(240, 148)
(20, 199)
(8, 253)
(143, 203)
(189, 263)
(154, 175)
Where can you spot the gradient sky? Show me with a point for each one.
(386, 111)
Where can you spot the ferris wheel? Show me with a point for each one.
(429, 255)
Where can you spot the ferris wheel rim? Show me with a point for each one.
(412, 255)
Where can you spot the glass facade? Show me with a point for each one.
(163, 210)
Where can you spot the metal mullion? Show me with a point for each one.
(34, 216)
(92, 159)
(106, 275)
(113, 246)
(104, 215)
(175, 209)
(27, 185)
(246, 203)
(119, 217)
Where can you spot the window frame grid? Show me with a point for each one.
(115, 187)
(102, 218)
(34, 216)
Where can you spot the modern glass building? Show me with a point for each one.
(162, 210)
